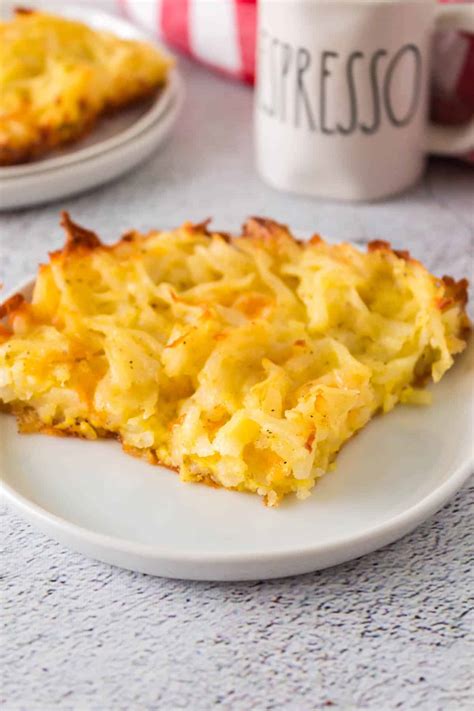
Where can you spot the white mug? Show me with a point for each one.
(342, 94)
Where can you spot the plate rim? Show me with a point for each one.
(59, 184)
(388, 530)
(378, 535)
(173, 87)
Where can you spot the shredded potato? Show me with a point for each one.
(241, 362)
(57, 76)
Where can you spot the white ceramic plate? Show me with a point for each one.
(116, 145)
(61, 181)
(99, 501)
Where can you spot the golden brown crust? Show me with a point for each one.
(19, 10)
(30, 423)
(5, 333)
(11, 305)
(262, 228)
(200, 227)
(380, 245)
(402, 254)
(257, 228)
(77, 237)
(266, 230)
(377, 244)
(457, 290)
(128, 236)
(49, 139)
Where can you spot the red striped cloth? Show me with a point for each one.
(218, 33)
(221, 34)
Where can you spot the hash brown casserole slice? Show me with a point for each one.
(241, 362)
(58, 76)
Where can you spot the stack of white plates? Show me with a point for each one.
(116, 145)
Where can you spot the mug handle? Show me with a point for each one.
(452, 140)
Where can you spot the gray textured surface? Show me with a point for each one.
(391, 630)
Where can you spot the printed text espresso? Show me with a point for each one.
(294, 86)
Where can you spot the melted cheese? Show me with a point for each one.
(57, 76)
(245, 362)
